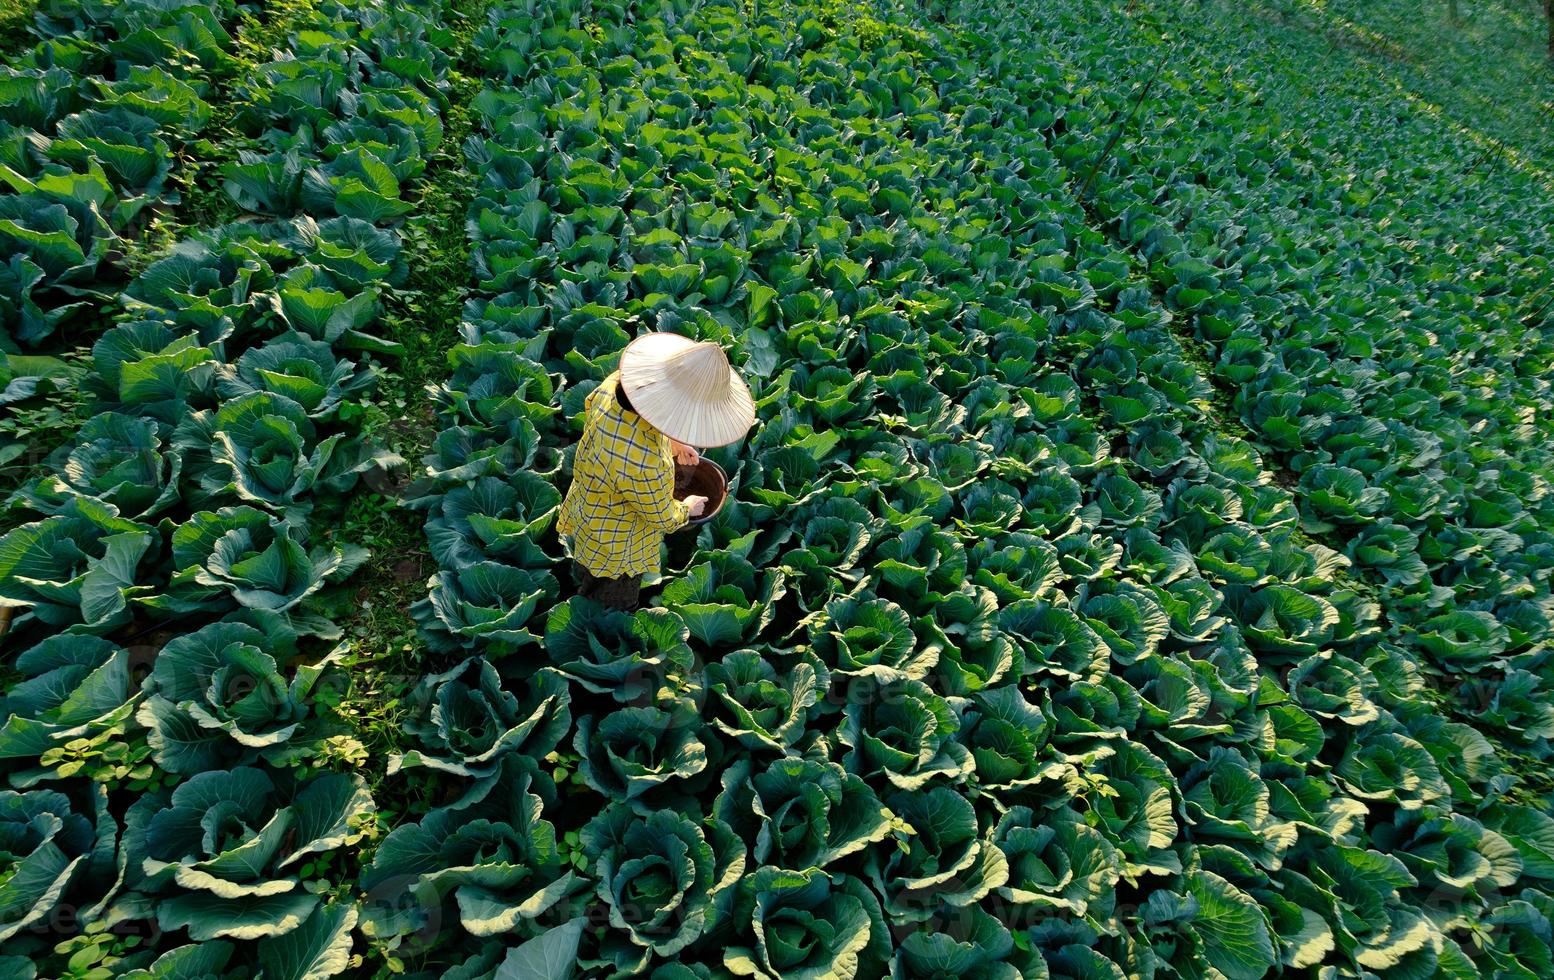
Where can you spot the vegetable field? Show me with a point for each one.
(1141, 567)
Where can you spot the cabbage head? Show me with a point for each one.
(809, 925)
(636, 750)
(48, 845)
(490, 857)
(607, 651)
(263, 450)
(760, 707)
(902, 731)
(73, 686)
(724, 600)
(947, 859)
(484, 607)
(466, 720)
(241, 557)
(77, 568)
(117, 459)
(494, 519)
(800, 813)
(300, 369)
(219, 696)
(123, 142)
(1058, 861)
(223, 852)
(667, 880)
(865, 636)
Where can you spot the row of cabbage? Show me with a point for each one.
(1401, 383)
(1003, 663)
(1383, 329)
(163, 723)
(1460, 64)
(89, 120)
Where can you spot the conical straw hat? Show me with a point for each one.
(686, 389)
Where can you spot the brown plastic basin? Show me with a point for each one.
(705, 479)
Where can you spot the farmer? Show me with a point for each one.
(670, 395)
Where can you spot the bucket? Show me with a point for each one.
(705, 479)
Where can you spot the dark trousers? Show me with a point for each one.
(617, 593)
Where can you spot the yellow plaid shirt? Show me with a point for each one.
(622, 496)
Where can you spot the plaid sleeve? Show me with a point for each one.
(649, 490)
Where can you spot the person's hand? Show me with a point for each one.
(683, 454)
(695, 505)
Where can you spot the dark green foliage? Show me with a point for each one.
(1140, 567)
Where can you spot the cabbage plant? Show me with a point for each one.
(864, 636)
(301, 369)
(120, 460)
(77, 568)
(48, 847)
(221, 695)
(902, 731)
(1058, 861)
(666, 879)
(801, 813)
(73, 686)
(760, 707)
(724, 600)
(809, 924)
(486, 605)
(223, 852)
(240, 557)
(625, 655)
(494, 519)
(635, 751)
(143, 368)
(490, 859)
(947, 860)
(261, 449)
(466, 720)
(125, 143)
